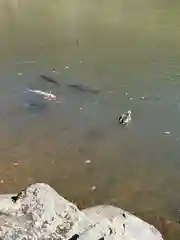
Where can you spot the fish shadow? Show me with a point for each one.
(34, 102)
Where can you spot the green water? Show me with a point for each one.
(118, 47)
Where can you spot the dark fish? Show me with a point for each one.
(49, 79)
(83, 88)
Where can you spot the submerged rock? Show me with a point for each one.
(40, 213)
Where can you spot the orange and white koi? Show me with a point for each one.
(46, 95)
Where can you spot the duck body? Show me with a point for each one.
(125, 118)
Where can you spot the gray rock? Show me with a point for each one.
(124, 225)
(40, 213)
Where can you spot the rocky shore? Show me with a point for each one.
(39, 212)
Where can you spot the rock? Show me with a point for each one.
(123, 224)
(40, 213)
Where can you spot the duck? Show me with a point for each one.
(125, 118)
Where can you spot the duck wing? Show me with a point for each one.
(122, 118)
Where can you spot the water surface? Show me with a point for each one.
(116, 47)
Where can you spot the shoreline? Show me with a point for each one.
(64, 220)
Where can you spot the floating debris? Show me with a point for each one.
(1, 181)
(167, 133)
(66, 67)
(142, 98)
(125, 93)
(81, 108)
(88, 162)
(19, 74)
(130, 98)
(15, 163)
(93, 188)
(56, 72)
(125, 118)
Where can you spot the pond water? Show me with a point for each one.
(130, 52)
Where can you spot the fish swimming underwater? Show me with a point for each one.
(46, 95)
(49, 79)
